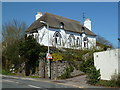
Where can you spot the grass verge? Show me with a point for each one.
(4, 72)
(111, 83)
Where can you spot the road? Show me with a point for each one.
(9, 82)
(41, 84)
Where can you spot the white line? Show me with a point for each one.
(16, 82)
(8, 80)
(34, 86)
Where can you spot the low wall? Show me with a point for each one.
(57, 68)
(108, 62)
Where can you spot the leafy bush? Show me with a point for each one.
(93, 75)
(114, 82)
(57, 57)
(30, 49)
(71, 68)
(67, 73)
(118, 80)
(110, 83)
(87, 64)
(4, 72)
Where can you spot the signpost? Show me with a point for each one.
(49, 56)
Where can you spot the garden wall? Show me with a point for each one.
(57, 68)
(108, 62)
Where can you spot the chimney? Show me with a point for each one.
(87, 24)
(38, 15)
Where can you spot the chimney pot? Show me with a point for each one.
(38, 15)
(87, 24)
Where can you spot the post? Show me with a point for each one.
(48, 61)
(48, 52)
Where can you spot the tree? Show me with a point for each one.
(29, 48)
(103, 43)
(119, 39)
(12, 32)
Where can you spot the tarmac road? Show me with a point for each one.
(21, 83)
(9, 82)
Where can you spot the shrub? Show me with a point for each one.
(4, 72)
(110, 83)
(93, 75)
(67, 73)
(57, 57)
(71, 68)
(87, 64)
(118, 80)
(114, 82)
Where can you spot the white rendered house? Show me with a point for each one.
(63, 32)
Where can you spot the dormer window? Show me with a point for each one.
(83, 29)
(61, 25)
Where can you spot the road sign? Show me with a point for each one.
(49, 56)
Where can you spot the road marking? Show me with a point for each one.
(10, 81)
(34, 86)
(16, 82)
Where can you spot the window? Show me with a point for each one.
(37, 37)
(61, 25)
(85, 39)
(78, 41)
(71, 40)
(83, 29)
(57, 37)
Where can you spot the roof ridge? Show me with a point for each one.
(46, 13)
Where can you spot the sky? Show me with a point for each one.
(104, 15)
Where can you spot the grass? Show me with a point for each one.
(34, 76)
(111, 83)
(4, 72)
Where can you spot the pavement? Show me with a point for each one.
(79, 81)
(76, 82)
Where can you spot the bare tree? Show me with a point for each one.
(103, 42)
(13, 31)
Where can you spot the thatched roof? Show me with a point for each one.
(54, 22)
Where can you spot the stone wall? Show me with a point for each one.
(57, 68)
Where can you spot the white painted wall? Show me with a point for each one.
(38, 15)
(43, 37)
(87, 24)
(108, 62)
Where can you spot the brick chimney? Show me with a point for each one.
(38, 15)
